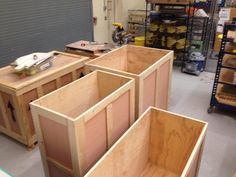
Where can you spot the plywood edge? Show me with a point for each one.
(60, 166)
(48, 113)
(148, 48)
(156, 65)
(170, 80)
(39, 136)
(179, 115)
(116, 143)
(194, 152)
(73, 128)
(108, 53)
(93, 67)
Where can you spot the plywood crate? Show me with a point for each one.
(78, 123)
(159, 144)
(90, 50)
(151, 68)
(16, 92)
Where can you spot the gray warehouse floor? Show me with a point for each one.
(190, 96)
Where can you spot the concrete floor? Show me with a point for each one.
(190, 96)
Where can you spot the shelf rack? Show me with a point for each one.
(219, 97)
(180, 53)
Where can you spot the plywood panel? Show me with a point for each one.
(121, 116)
(155, 171)
(75, 99)
(66, 79)
(49, 87)
(163, 86)
(56, 172)
(172, 140)
(27, 98)
(140, 58)
(109, 83)
(2, 122)
(56, 141)
(11, 112)
(95, 138)
(129, 157)
(149, 91)
(117, 59)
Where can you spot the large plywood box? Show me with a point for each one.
(78, 123)
(16, 92)
(159, 144)
(151, 68)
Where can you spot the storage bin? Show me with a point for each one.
(78, 123)
(16, 92)
(159, 144)
(151, 68)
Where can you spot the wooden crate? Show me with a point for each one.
(177, 2)
(16, 92)
(78, 123)
(151, 68)
(159, 144)
(89, 50)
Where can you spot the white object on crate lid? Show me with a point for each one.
(30, 60)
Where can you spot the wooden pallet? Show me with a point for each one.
(78, 123)
(151, 69)
(16, 92)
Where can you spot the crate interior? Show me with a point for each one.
(77, 97)
(132, 59)
(159, 145)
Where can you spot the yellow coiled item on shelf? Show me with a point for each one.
(171, 29)
(154, 27)
(170, 42)
(181, 29)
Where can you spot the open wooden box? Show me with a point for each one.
(159, 144)
(16, 92)
(151, 69)
(79, 122)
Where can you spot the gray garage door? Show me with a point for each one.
(28, 26)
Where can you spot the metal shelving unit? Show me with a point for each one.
(224, 92)
(181, 16)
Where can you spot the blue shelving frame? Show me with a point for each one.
(214, 102)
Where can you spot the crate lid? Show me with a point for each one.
(61, 61)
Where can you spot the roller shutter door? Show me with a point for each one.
(28, 26)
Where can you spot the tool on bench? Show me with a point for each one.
(33, 63)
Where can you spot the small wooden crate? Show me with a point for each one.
(16, 92)
(151, 68)
(159, 144)
(78, 123)
(89, 50)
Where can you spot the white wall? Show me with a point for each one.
(117, 11)
(101, 28)
(122, 7)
